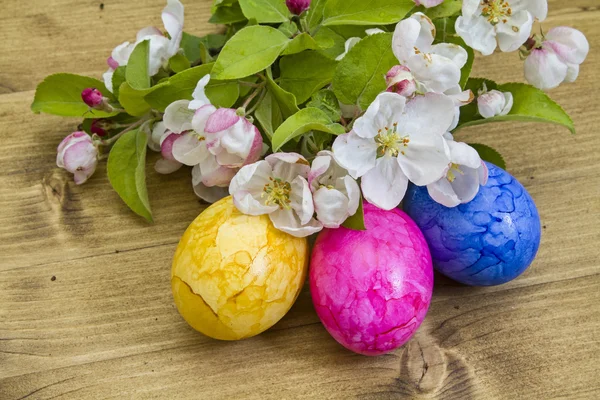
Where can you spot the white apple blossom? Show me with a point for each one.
(465, 173)
(494, 103)
(178, 115)
(397, 141)
(277, 186)
(353, 41)
(336, 194)
(78, 155)
(484, 24)
(557, 58)
(161, 48)
(434, 67)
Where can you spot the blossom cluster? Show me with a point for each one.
(404, 135)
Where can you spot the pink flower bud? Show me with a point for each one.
(99, 127)
(78, 155)
(400, 80)
(297, 7)
(92, 97)
(112, 63)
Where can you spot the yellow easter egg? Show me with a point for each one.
(235, 275)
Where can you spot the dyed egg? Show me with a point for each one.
(490, 240)
(234, 275)
(371, 289)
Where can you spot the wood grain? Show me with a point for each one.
(106, 326)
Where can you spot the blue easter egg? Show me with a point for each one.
(488, 241)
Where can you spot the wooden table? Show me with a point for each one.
(85, 299)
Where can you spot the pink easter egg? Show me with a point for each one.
(372, 288)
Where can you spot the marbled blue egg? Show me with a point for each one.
(488, 241)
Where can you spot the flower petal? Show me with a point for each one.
(164, 166)
(381, 114)
(477, 32)
(569, 44)
(199, 94)
(331, 206)
(287, 221)
(463, 154)
(430, 114)
(354, 153)
(190, 149)
(442, 192)
(247, 187)
(288, 166)
(451, 51)
(178, 117)
(210, 194)
(512, 34)
(301, 200)
(405, 39)
(436, 73)
(544, 70)
(385, 184)
(425, 160)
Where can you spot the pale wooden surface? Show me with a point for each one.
(107, 327)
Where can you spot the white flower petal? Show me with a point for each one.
(442, 192)
(350, 43)
(569, 44)
(331, 206)
(436, 73)
(544, 70)
(178, 117)
(466, 184)
(353, 193)
(385, 185)
(354, 153)
(287, 166)
(165, 167)
(425, 160)
(463, 154)
(199, 94)
(470, 7)
(190, 149)
(301, 200)
(210, 194)
(247, 187)
(454, 52)
(512, 34)
(430, 114)
(477, 32)
(381, 114)
(107, 77)
(405, 39)
(213, 174)
(572, 72)
(426, 32)
(288, 222)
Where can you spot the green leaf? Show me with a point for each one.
(444, 29)
(488, 154)
(133, 100)
(326, 101)
(288, 28)
(361, 12)
(182, 85)
(118, 79)
(127, 172)
(179, 63)
(265, 11)
(227, 15)
(360, 76)
(315, 14)
(60, 94)
(448, 8)
(529, 105)
(285, 100)
(269, 115)
(305, 73)
(249, 51)
(136, 73)
(222, 3)
(194, 46)
(305, 120)
(331, 44)
(300, 43)
(356, 221)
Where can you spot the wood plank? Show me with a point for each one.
(107, 327)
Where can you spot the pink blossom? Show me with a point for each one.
(78, 155)
(401, 81)
(297, 7)
(92, 97)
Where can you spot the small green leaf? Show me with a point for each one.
(529, 105)
(288, 28)
(133, 101)
(60, 94)
(331, 44)
(444, 29)
(360, 76)
(361, 12)
(269, 115)
(179, 63)
(127, 171)
(285, 100)
(193, 46)
(305, 73)
(448, 8)
(182, 85)
(222, 3)
(136, 74)
(227, 15)
(315, 14)
(265, 11)
(356, 221)
(249, 51)
(300, 43)
(326, 101)
(488, 154)
(118, 79)
(303, 121)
